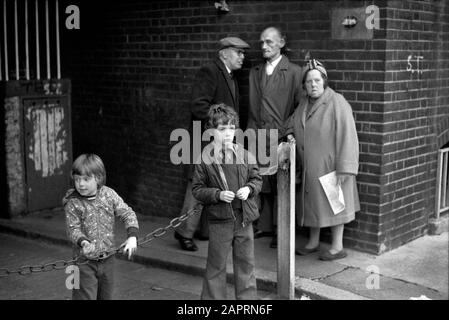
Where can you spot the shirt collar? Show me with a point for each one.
(275, 62)
(229, 70)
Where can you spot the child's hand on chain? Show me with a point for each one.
(243, 193)
(130, 246)
(88, 248)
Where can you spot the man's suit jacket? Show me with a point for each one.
(272, 100)
(213, 85)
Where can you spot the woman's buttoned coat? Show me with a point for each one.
(326, 140)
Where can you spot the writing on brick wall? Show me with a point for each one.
(414, 64)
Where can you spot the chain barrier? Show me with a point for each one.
(80, 260)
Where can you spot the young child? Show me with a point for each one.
(90, 211)
(227, 181)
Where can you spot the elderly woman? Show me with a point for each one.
(326, 137)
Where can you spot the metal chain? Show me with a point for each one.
(174, 223)
(80, 260)
(56, 265)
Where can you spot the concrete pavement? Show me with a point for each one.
(417, 269)
(133, 281)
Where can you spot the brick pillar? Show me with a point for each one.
(14, 160)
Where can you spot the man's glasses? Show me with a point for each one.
(239, 52)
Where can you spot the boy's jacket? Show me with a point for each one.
(94, 220)
(208, 182)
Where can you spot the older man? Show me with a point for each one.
(275, 89)
(214, 84)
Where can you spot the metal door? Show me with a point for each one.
(47, 150)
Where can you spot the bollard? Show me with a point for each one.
(286, 221)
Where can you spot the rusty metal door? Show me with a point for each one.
(47, 151)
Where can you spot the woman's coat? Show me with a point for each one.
(326, 140)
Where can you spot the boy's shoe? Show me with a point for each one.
(186, 243)
(328, 256)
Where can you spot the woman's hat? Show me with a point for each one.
(315, 64)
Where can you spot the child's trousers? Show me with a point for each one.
(96, 280)
(223, 237)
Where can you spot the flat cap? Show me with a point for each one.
(232, 42)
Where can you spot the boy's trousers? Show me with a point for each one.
(223, 237)
(96, 280)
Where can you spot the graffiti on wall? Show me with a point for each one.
(47, 147)
(414, 64)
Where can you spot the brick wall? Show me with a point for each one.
(132, 65)
(416, 114)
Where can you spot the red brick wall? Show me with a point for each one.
(132, 65)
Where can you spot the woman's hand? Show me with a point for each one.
(341, 178)
(227, 196)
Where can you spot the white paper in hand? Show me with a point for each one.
(333, 192)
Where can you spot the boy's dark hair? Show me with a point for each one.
(91, 165)
(221, 114)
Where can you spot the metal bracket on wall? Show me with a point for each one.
(350, 24)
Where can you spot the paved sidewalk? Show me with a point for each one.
(133, 281)
(417, 269)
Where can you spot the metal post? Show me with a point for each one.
(5, 41)
(27, 50)
(444, 184)
(47, 38)
(38, 60)
(16, 39)
(58, 52)
(438, 191)
(286, 224)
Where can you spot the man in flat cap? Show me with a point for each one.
(275, 89)
(213, 84)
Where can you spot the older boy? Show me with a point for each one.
(226, 182)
